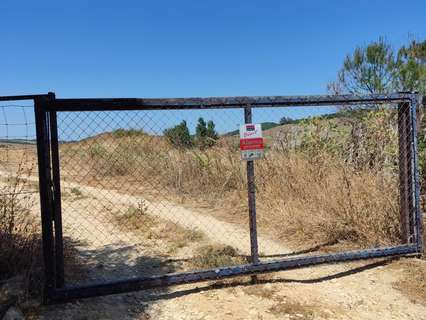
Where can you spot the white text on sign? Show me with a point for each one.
(251, 142)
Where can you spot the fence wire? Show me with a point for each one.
(17, 149)
(152, 192)
(146, 190)
(148, 195)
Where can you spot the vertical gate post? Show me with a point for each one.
(404, 171)
(251, 188)
(418, 220)
(57, 209)
(43, 155)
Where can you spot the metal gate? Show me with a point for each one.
(62, 124)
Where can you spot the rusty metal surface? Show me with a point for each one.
(418, 223)
(223, 102)
(45, 106)
(56, 186)
(405, 168)
(251, 195)
(43, 154)
(144, 283)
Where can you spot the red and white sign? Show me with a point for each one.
(251, 142)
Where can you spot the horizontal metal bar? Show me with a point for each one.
(222, 102)
(23, 97)
(69, 293)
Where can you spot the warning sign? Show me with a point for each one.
(251, 142)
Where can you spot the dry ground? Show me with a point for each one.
(108, 250)
(362, 290)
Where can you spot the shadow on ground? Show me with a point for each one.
(248, 282)
(118, 262)
(108, 263)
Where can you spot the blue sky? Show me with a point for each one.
(190, 48)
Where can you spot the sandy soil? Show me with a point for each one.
(361, 290)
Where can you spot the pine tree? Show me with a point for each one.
(205, 133)
(179, 135)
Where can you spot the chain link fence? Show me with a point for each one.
(20, 229)
(153, 191)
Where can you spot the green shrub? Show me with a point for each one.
(212, 256)
(368, 140)
(179, 136)
(97, 150)
(206, 135)
(121, 133)
(76, 191)
(286, 120)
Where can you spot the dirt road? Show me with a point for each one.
(216, 230)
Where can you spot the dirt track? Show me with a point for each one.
(216, 230)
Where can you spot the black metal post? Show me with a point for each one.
(418, 220)
(405, 207)
(45, 203)
(57, 208)
(251, 188)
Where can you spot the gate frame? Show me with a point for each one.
(46, 108)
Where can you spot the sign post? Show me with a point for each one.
(249, 154)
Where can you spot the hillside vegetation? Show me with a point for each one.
(323, 179)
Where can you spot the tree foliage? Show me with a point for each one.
(205, 133)
(285, 120)
(378, 68)
(179, 135)
(411, 64)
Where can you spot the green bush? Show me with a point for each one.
(206, 135)
(121, 133)
(286, 120)
(213, 256)
(179, 136)
(369, 140)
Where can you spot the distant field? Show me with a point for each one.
(16, 141)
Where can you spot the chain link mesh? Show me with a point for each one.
(157, 191)
(132, 191)
(17, 152)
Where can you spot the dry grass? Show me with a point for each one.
(318, 195)
(20, 233)
(20, 240)
(212, 256)
(321, 198)
(136, 219)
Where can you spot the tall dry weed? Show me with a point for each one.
(20, 241)
(339, 181)
(323, 199)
